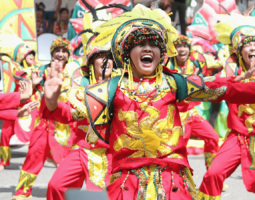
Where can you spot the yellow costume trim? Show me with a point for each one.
(209, 158)
(252, 151)
(5, 153)
(25, 122)
(97, 166)
(250, 110)
(151, 136)
(26, 180)
(203, 196)
(75, 96)
(62, 133)
(21, 197)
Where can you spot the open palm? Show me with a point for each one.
(53, 83)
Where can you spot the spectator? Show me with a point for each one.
(41, 24)
(166, 5)
(52, 8)
(180, 6)
(60, 27)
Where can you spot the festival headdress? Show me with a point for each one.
(236, 30)
(92, 46)
(60, 42)
(132, 28)
(13, 46)
(182, 39)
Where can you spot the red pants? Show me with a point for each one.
(42, 143)
(93, 166)
(22, 127)
(232, 153)
(199, 127)
(5, 150)
(177, 183)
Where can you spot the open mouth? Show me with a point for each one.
(252, 56)
(182, 55)
(147, 60)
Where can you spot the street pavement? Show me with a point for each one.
(9, 178)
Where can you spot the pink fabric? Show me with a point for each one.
(231, 154)
(71, 173)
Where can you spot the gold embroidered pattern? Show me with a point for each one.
(250, 110)
(209, 158)
(252, 151)
(97, 166)
(191, 184)
(5, 153)
(25, 122)
(62, 133)
(207, 94)
(26, 180)
(152, 137)
(75, 96)
(203, 196)
(91, 137)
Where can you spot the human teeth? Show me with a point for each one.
(147, 56)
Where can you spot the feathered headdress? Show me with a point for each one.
(13, 46)
(236, 30)
(140, 23)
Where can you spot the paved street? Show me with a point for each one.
(9, 178)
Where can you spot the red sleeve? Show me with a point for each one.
(236, 92)
(62, 113)
(184, 106)
(8, 114)
(9, 100)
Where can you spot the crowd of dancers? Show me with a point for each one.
(122, 121)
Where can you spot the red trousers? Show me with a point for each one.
(146, 183)
(233, 152)
(22, 127)
(42, 144)
(199, 127)
(93, 166)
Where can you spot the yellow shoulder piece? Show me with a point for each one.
(75, 96)
(171, 82)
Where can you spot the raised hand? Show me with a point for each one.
(249, 73)
(27, 109)
(36, 78)
(26, 90)
(52, 85)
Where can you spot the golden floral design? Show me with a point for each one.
(151, 137)
(250, 110)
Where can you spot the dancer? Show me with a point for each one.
(10, 101)
(149, 159)
(89, 158)
(21, 59)
(238, 32)
(49, 139)
(193, 123)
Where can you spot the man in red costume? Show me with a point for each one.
(149, 158)
(10, 101)
(187, 62)
(50, 139)
(238, 148)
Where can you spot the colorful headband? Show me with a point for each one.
(20, 52)
(182, 39)
(141, 36)
(236, 30)
(60, 42)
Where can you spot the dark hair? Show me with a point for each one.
(40, 6)
(63, 9)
